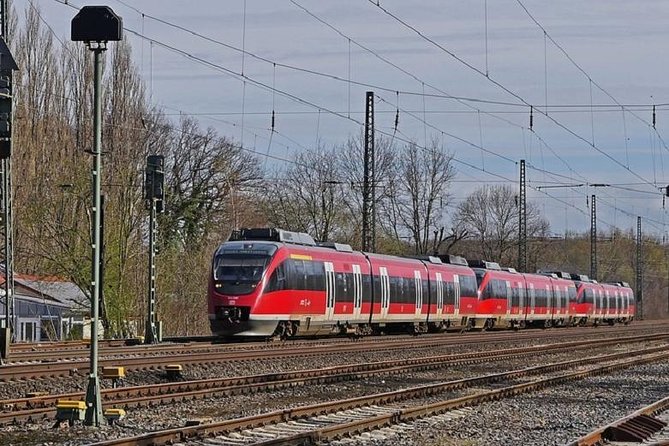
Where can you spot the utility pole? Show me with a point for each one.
(639, 271)
(95, 26)
(593, 238)
(154, 195)
(7, 68)
(369, 180)
(522, 221)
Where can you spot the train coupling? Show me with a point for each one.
(233, 314)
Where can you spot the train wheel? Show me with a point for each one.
(489, 324)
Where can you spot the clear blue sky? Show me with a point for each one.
(621, 46)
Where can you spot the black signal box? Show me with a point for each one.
(96, 24)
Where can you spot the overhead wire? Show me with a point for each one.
(237, 75)
(503, 87)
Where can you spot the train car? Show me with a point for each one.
(280, 283)
(402, 287)
(619, 303)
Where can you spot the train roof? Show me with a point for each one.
(484, 264)
(272, 235)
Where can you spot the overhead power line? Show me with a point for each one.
(504, 88)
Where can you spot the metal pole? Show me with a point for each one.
(369, 180)
(9, 329)
(93, 401)
(150, 336)
(639, 266)
(5, 171)
(593, 238)
(522, 221)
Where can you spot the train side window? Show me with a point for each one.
(297, 275)
(316, 277)
(410, 287)
(468, 286)
(449, 288)
(515, 296)
(277, 280)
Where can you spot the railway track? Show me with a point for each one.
(185, 355)
(72, 350)
(332, 420)
(43, 406)
(647, 425)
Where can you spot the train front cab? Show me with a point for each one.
(237, 278)
(592, 304)
(497, 292)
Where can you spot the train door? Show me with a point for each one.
(521, 298)
(549, 300)
(509, 294)
(385, 291)
(357, 291)
(533, 298)
(617, 303)
(558, 299)
(330, 290)
(440, 295)
(419, 292)
(456, 290)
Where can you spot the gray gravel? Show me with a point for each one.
(555, 416)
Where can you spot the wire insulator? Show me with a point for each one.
(531, 117)
(272, 120)
(397, 118)
(653, 116)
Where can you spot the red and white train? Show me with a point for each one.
(270, 282)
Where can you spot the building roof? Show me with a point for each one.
(58, 290)
(48, 289)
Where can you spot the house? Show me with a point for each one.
(39, 316)
(75, 320)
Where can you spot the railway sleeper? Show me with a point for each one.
(637, 429)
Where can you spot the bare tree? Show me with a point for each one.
(203, 171)
(307, 195)
(490, 217)
(418, 194)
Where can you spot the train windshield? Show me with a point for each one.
(239, 273)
